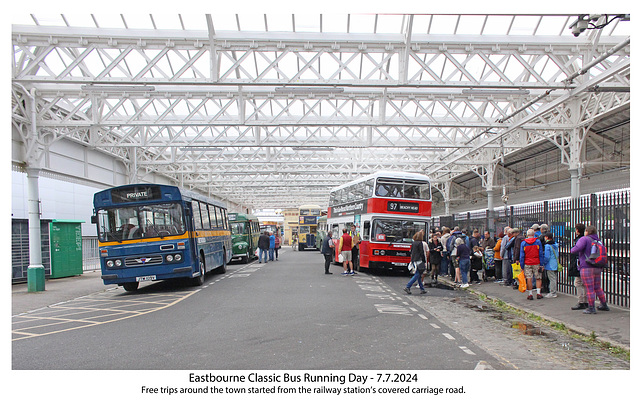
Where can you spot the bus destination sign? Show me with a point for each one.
(136, 193)
(307, 220)
(403, 206)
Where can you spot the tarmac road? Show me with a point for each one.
(285, 314)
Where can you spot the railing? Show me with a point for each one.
(609, 212)
(90, 253)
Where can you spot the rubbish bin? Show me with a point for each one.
(66, 248)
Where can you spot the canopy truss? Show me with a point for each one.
(270, 118)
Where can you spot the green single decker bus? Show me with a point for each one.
(245, 231)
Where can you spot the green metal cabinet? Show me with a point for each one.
(66, 248)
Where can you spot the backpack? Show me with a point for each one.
(597, 255)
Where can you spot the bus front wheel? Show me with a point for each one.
(130, 286)
(199, 280)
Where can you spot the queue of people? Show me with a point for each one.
(466, 258)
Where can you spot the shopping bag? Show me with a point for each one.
(516, 268)
(340, 258)
(522, 286)
(412, 268)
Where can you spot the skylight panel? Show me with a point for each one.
(470, 24)
(363, 23)
(388, 23)
(110, 21)
(47, 20)
(252, 22)
(334, 23)
(279, 23)
(524, 25)
(77, 20)
(497, 25)
(307, 23)
(194, 22)
(134, 21)
(444, 24)
(225, 22)
(421, 24)
(552, 25)
(167, 21)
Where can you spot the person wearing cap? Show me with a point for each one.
(536, 230)
(544, 228)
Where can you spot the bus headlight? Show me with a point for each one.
(178, 257)
(169, 258)
(118, 263)
(110, 263)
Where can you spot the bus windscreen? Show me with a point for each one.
(396, 231)
(141, 221)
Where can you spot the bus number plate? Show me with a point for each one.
(400, 264)
(145, 278)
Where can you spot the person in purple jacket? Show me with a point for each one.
(591, 277)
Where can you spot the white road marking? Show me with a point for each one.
(466, 350)
(448, 336)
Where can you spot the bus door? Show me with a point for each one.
(365, 248)
(193, 246)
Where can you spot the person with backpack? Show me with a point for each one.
(574, 272)
(463, 254)
(532, 262)
(452, 249)
(591, 255)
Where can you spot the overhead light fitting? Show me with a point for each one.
(201, 148)
(437, 149)
(616, 89)
(488, 92)
(118, 88)
(303, 148)
(308, 90)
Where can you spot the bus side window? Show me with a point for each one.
(335, 230)
(365, 230)
(196, 214)
(205, 216)
(225, 219)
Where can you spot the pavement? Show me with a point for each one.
(613, 326)
(56, 291)
(609, 326)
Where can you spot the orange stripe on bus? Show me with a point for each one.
(163, 239)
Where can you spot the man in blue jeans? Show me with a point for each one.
(263, 247)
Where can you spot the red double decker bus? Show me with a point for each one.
(387, 208)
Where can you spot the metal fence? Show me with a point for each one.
(90, 253)
(609, 212)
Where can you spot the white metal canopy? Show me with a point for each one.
(271, 111)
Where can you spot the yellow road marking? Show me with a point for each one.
(131, 314)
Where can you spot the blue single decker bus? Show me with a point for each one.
(151, 232)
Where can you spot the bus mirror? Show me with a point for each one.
(94, 219)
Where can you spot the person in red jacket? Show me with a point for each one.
(344, 247)
(532, 260)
